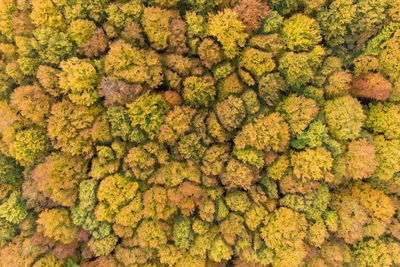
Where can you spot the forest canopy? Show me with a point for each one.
(199, 133)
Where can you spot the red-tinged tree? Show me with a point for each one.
(371, 85)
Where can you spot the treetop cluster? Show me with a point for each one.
(196, 133)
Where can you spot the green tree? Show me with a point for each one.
(334, 20)
(104, 246)
(78, 80)
(199, 91)
(29, 146)
(383, 118)
(344, 117)
(285, 7)
(10, 171)
(371, 253)
(298, 69)
(13, 209)
(183, 233)
(300, 33)
(147, 113)
(256, 62)
(156, 24)
(229, 30)
(51, 45)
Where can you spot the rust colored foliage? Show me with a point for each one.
(97, 45)
(371, 85)
(187, 197)
(252, 12)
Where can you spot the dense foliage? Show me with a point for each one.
(198, 133)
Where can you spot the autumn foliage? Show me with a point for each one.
(199, 133)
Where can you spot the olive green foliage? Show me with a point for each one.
(384, 119)
(298, 112)
(69, 127)
(344, 117)
(13, 209)
(56, 223)
(298, 68)
(300, 32)
(147, 113)
(136, 65)
(257, 62)
(10, 172)
(314, 136)
(270, 88)
(199, 91)
(78, 80)
(265, 133)
(187, 133)
(29, 146)
(229, 30)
